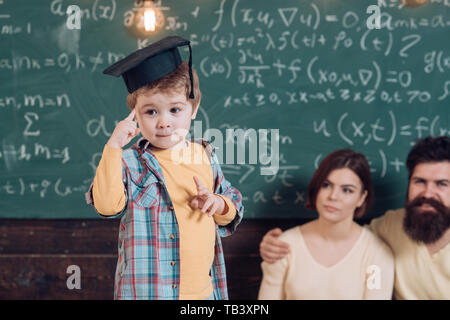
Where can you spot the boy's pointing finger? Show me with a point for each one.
(201, 190)
(131, 115)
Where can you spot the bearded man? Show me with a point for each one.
(419, 234)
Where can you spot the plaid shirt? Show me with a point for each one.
(148, 235)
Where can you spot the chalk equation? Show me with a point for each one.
(380, 130)
(44, 187)
(312, 17)
(35, 101)
(330, 95)
(64, 61)
(11, 154)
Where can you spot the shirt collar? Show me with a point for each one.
(148, 158)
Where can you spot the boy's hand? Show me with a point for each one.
(207, 201)
(124, 131)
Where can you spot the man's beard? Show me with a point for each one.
(426, 225)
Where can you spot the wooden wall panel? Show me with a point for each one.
(35, 254)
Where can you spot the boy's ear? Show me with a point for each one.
(194, 111)
(136, 117)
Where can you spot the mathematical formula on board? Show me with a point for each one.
(313, 70)
(381, 132)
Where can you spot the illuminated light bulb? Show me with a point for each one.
(414, 3)
(145, 19)
(150, 20)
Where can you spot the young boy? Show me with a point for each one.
(175, 211)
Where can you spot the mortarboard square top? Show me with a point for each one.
(151, 63)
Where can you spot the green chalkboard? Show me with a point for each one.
(312, 70)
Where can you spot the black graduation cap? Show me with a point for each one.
(151, 63)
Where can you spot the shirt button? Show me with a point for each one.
(174, 286)
(171, 207)
(172, 236)
(173, 263)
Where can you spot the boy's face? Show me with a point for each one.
(164, 119)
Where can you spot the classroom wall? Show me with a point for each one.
(283, 84)
(311, 69)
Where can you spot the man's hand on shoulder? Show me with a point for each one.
(271, 248)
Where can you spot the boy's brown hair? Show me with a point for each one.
(176, 81)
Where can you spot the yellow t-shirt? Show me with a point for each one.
(197, 230)
(418, 275)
